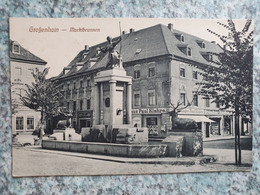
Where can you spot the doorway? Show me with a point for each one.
(207, 129)
(84, 123)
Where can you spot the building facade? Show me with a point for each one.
(164, 64)
(22, 64)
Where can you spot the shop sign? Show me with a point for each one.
(212, 112)
(149, 111)
(84, 114)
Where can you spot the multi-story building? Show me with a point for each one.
(165, 65)
(22, 64)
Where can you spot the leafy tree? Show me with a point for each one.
(41, 95)
(229, 81)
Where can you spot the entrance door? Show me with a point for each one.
(207, 129)
(152, 125)
(215, 126)
(84, 123)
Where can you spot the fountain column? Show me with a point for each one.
(112, 84)
(96, 104)
(129, 103)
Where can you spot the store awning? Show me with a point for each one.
(197, 118)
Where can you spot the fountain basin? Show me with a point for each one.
(126, 150)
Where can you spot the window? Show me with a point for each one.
(182, 72)
(81, 105)
(137, 99)
(151, 72)
(210, 58)
(68, 94)
(16, 48)
(195, 75)
(136, 74)
(18, 71)
(74, 85)
(207, 103)
(203, 45)
(18, 91)
(19, 123)
(74, 106)
(151, 98)
(68, 106)
(195, 100)
(88, 104)
(182, 38)
(189, 51)
(81, 84)
(217, 102)
(88, 83)
(30, 123)
(30, 72)
(183, 99)
(68, 86)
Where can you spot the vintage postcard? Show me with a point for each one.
(118, 96)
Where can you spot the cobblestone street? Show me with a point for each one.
(38, 163)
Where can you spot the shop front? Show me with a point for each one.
(85, 119)
(157, 120)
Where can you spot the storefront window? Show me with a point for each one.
(152, 126)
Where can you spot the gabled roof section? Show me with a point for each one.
(150, 42)
(192, 42)
(24, 55)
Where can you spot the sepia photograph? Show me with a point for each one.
(130, 96)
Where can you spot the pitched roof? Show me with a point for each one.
(150, 42)
(173, 45)
(25, 55)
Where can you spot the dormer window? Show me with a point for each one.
(84, 55)
(189, 51)
(16, 48)
(182, 38)
(208, 56)
(202, 45)
(66, 70)
(79, 66)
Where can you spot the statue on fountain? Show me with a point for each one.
(114, 57)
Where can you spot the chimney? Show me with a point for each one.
(132, 30)
(124, 32)
(170, 26)
(86, 47)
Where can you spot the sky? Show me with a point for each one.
(59, 48)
